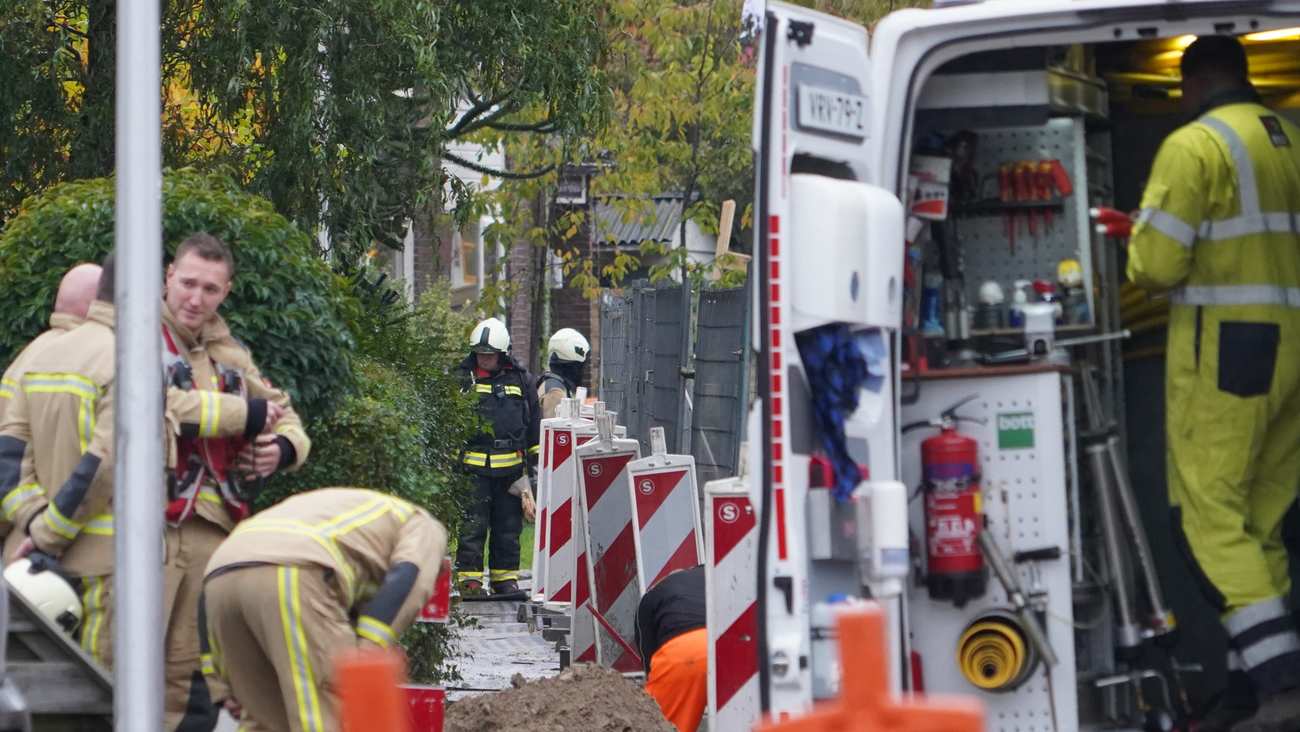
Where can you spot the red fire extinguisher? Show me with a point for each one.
(954, 517)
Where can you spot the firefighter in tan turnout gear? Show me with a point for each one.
(500, 458)
(76, 291)
(1220, 228)
(58, 435)
(318, 573)
(209, 488)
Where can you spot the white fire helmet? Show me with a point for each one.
(568, 345)
(48, 592)
(490, 336)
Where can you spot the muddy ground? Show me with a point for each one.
(581, 699)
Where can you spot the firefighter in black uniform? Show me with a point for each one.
(563, 375)
(498, 458)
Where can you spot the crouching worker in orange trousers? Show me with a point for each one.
(293, 586)
(674, 646)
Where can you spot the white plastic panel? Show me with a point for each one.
(1025, 501)
(847, 257)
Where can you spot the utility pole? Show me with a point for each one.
(138, 473)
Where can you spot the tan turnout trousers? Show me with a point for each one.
(281, 627)
(189, 547)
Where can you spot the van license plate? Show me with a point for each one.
(827, 110)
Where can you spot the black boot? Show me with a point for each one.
(1237, 703)
(1279, 712)
(505, 587)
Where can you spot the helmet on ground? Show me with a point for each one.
(568, 345)
(490, 336)
(47, 591)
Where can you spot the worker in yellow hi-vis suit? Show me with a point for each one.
(1220, 229)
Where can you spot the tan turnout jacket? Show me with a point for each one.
(214, 345)
(57, 438)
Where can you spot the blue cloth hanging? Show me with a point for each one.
(839, 364)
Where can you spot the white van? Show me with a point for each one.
(842, 122)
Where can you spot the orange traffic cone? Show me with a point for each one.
(370, 698)
(866, 703)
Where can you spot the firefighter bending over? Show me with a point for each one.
(281, 593)
(500, 458)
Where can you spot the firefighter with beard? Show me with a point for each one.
(501, 459)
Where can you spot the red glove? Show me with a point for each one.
(1112, 223)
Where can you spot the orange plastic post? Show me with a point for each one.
(370, 696)
(866, 703)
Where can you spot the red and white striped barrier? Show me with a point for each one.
(541, 555)
(665, 512)
(606, 506)
(732, 605)
(561, 549)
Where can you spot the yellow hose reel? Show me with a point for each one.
(992, 653)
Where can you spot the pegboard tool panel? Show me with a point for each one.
(981, 229)
(1022, 446)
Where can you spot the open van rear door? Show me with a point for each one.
(829, 251)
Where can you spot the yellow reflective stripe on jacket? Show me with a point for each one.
(288, 526)
(295, 641)
(60, 524)
(483, 388)
(12, 502)
(495, 460)
(209, 413)
(207, 665)
(512, 390)
(534, 449)
(75, 384)
(101, 525)
(208, 494)
(1288, 297)
(7, 387)
(376, 631)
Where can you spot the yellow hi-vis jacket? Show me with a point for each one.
(1220, 220)
(58, 435)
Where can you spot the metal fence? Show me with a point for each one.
(642, 370)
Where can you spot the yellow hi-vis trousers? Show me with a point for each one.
(1233, 409)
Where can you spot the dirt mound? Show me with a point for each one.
(581, 699)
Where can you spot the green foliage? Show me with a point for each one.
(339, 111)
(683, 98)
(286, 304)
(400, 432)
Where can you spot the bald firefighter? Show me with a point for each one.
(500, 459)
(1220, 230)
(568, 351)
(215, 475)
(76, 291)
(318, 573)
(58, 433)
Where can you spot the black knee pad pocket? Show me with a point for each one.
(1247, 357)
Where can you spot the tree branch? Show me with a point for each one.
(546, 125)
(506, 174)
